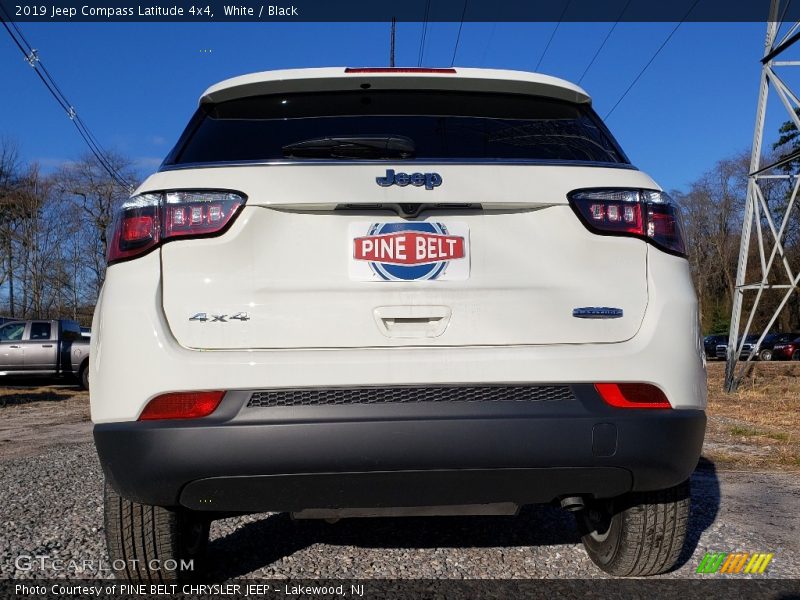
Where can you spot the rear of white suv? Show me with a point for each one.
(357, 292)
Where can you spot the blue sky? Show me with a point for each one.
(136, 85)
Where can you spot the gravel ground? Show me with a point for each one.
(51, 505)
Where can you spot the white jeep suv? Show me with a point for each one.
(393, 291)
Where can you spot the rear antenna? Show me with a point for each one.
(391, 42)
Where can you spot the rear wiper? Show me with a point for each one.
(356, 146)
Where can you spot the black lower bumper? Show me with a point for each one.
(293, 458)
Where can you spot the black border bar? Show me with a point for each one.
(708, 587)
(287, 11)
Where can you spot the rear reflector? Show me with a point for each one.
(181, 405)
(397, 70)
(632, 395)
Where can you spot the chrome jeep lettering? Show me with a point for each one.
(429, 180)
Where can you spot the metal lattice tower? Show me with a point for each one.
(775, 275)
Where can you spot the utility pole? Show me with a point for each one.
(391, 42)
(774, 273)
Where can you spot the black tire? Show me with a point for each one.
(765, 354)
(83, 377)
(796, 355)
(638, 534)
(142, 540)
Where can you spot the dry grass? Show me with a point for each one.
(758, 426)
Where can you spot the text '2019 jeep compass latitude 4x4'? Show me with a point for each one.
(366, 292)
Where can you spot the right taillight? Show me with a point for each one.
(647, 214)
(147, 220)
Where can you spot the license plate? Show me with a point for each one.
(408, 251)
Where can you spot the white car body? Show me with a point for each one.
(133, 334)
(524, 333)
(310, 318)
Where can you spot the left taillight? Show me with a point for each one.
(182, 405)
(147, 220)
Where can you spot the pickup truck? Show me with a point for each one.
(44, 348)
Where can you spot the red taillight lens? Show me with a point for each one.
(398, 70)
(632, 395)
(615, 216)
(645, 214)
(664, 228)
(147, 220)
(137, 229)
(181, 405)
(198, 213)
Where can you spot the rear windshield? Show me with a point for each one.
(441, 125)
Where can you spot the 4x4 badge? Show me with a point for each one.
(203, 317)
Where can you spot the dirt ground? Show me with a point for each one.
(35, 417)
(756, 428)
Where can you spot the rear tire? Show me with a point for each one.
(83, 377)
(638, 534)
(765, 355)
(148, 543)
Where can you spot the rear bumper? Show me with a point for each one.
(291, 458)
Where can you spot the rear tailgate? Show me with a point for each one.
(288, 273)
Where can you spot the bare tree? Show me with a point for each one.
(712, 210)
(712, 216)
(97, 196)
(54, 233)
(10, 211)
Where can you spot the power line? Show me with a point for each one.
(553, 34)
(391, 41)
(649, 62)
(83, 131)
(600, 49)
(458, 37)
(31, 56)
(424, 34)
(785, 9)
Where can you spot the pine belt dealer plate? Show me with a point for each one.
(415, 251)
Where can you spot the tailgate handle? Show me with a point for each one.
(412, 321)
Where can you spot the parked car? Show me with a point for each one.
(372, 292)
(766, 348)
(787, 350)
(710, 343)
(750, 342)
(37, 348)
